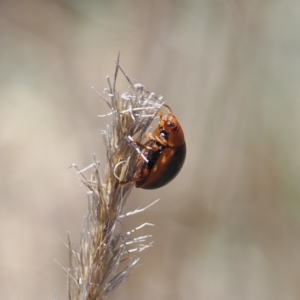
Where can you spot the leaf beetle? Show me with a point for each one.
(162, 156)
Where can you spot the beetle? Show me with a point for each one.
(162, 156)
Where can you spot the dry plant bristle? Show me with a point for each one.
(107, 254)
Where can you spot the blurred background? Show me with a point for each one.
(228, 227)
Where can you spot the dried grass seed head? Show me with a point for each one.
(107, 254)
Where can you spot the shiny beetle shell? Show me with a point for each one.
(165, 152)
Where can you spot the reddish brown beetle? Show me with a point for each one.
(164, 151)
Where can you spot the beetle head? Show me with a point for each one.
(170, 124)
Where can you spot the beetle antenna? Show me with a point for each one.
(168, 108)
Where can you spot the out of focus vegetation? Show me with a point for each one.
(228, 227)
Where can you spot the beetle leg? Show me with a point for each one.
(141, 145)
(122, 182)
(143, 175)
(155, 137)
(153, 148)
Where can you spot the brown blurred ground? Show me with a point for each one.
(228, 227)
